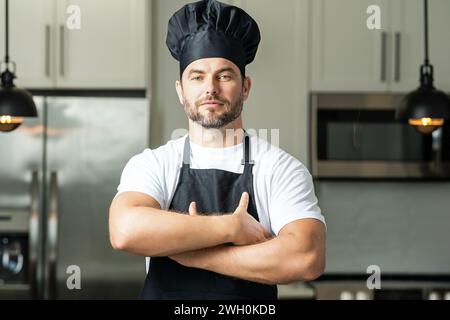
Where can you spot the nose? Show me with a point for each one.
(212, 87)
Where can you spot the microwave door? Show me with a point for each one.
(360, 138)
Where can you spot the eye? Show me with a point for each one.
(196, 78)
(225, 77)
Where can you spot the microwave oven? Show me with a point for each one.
(357, 136)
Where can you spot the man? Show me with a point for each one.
(220, 220)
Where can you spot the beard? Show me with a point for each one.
(218, 117)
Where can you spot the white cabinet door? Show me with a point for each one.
(439, 21)
(346, 55)
(108, 50)
(439, 25)
(30, 41)
(408, 49)
(407, 45)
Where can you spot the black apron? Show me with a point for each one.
(214, 191)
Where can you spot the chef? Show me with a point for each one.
(222, 214)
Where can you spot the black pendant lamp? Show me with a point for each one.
(15, 103)
(426, 108)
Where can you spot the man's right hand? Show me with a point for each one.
(246, 229)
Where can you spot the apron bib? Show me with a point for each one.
(214, 191)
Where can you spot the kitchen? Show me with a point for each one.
(335, 83)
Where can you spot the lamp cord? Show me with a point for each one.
(6, 34)
(425, 3)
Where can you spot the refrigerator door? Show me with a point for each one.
(89, 142)
(21, 158)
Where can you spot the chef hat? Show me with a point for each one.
(211, 29)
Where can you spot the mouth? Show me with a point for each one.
(212, 104)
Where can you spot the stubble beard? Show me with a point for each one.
(215, 119)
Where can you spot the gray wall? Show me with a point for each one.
(278, 99)
(399, 226)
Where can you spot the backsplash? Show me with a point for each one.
(402, 227)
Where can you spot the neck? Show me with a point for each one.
(227, 136)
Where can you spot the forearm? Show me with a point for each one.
(154, 232)
(276, 261)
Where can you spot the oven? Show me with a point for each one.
(392, 288)
(18, 254)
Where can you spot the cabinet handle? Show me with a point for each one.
(61, 50)
(397, 56)
(383, 56)
(47, 50)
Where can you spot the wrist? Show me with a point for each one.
(226, 226)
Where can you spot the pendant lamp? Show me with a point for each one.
(15, 103)
(426, 108)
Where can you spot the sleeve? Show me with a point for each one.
(142, 173)
(292, 194)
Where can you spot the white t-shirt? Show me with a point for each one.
(283, 187)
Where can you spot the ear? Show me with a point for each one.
(179, 89)
(247, 85)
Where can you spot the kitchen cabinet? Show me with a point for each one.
(348, 56)
(408, 43)
(106, 52)
(30, 43)
(109, 48)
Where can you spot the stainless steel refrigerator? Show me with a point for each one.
(58, 175)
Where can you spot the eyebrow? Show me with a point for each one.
(196, 71)
(225, 69)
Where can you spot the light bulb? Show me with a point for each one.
(9, 123)
(426, 125)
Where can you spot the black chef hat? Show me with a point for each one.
(211, 29)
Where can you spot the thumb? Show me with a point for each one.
(267, 234)
(193, 209)
(243, 203)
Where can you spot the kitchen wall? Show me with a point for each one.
(278, 99)
(402, 227)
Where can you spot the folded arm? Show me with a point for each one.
(296, 254)
(139, 226)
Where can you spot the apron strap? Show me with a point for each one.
(248, 164)
(246, 160)
(187, 153)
